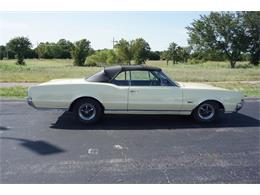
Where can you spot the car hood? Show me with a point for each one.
(199, 86)
(65, 81)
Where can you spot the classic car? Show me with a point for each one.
(133, 89)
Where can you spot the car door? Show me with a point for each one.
(118, 94)
(148, 93)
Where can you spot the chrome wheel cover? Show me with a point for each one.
(87, 111)
(206, 111)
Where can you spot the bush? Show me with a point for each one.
(101, 58)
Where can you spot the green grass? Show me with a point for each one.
(17, 92)
(248, 89)
(44, 70)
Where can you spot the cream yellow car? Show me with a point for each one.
(135, 89)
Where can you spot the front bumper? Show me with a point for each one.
(239, 105)
(30, 102)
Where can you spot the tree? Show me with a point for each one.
(176, 53)
(251, 23)
(137, 50)
(19, 46)
(220, 31)
(2, 52)
(124, 51)
(111, 57)
(165, 55)
(173, 52)
(141, 50)
(183, 54)
(154, 55)
(60, 50)
(30, 54)
(65, 47)
(80, 51)
(40, 49)
(208, 55)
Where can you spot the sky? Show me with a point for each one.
(157, 28)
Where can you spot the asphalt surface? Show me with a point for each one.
(50, 147)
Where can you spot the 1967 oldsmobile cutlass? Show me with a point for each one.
(136, 89)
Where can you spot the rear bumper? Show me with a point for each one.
(30, 103)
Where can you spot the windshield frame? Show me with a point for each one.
(162, 74)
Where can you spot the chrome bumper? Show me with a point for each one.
(239, 105)
(30, 102)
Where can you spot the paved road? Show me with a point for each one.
(49, 147)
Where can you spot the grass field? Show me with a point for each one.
(44, 70)
(218, 73)
(18, 92)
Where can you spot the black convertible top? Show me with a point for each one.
(110, 72)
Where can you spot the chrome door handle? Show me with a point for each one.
(133, 91)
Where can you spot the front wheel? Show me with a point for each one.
(88, 111)
(206, 112)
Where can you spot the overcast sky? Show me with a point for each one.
(158, 28)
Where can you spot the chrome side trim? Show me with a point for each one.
(148, 110)
(171, 112)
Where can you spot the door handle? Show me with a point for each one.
(133, 91)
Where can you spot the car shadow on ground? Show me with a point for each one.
(39, 147)
(146, 122)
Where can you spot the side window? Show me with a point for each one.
(122, 79)
(140, 76)
(144, 78)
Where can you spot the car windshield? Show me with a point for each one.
(163, 76)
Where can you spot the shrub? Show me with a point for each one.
(101, 58)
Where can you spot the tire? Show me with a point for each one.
(206, 112)
(88, 111)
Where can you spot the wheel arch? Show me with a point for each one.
(220, 104)
(84, 97)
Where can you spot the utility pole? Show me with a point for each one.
(114, 42)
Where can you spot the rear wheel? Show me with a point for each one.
(88, 111)
(206, 112)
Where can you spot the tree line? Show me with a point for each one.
(218, 36)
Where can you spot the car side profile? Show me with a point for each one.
(135, 89)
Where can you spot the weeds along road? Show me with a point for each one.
(50, 147)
